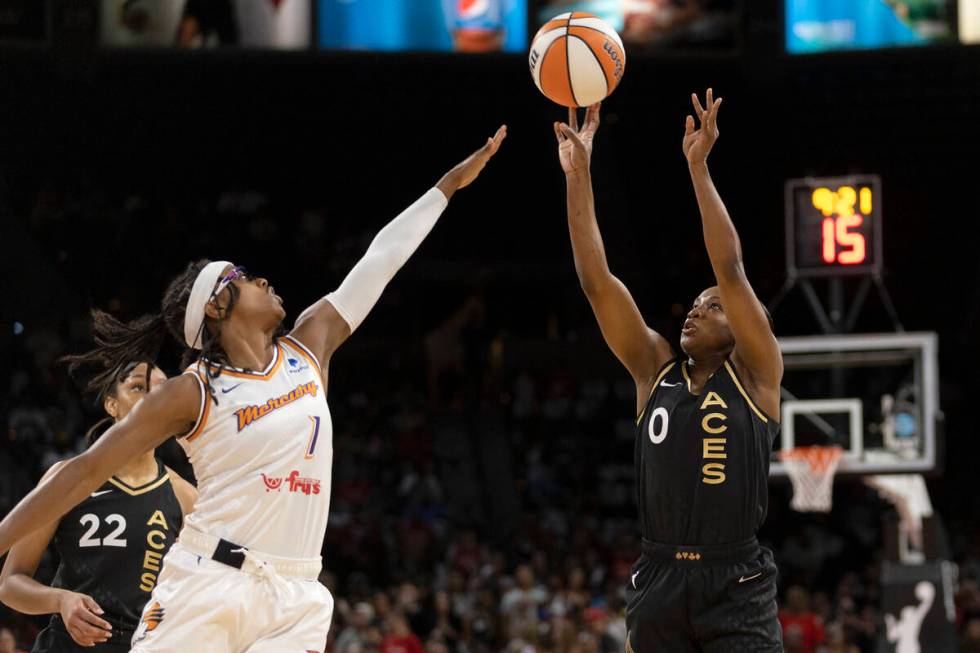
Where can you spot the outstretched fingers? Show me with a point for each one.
(592, 118)
(708, 116)
(558, 133)
(711, 119)
(689, 126)
(570, 134)
(493, 144)
(698, 109)
(573, 118)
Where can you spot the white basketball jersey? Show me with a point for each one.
(262, 455)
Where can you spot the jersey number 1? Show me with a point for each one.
(112, 539)
(314, 434)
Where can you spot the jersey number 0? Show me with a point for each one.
(658, 435)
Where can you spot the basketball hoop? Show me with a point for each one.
(811, 470)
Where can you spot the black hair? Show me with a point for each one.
(121, 346)
(172, 311)
(112, 363)
(105, 385)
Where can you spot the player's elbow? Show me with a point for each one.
(589, 286)
(593, 282)
(7, 592)
(729, 270)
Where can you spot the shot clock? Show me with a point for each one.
(833, 226)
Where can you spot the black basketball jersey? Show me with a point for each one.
(702, 461)
(112, 546)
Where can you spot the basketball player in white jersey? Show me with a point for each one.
(253, 416)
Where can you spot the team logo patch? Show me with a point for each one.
(295, 366)
(293, 483)
(152, 617)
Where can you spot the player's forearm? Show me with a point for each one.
(449, 183)
(63, 490)
(583, 229)
(27, 596)
(720, 236)
(388, 252)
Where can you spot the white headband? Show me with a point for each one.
(204, 287)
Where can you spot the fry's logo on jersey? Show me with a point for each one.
(271, 483)
(152, 617)
(249, 414)
(295, 483)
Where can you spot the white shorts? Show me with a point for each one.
(203, 605)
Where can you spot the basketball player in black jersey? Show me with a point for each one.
(111, 545)
(705, 428)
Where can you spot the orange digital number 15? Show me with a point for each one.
(841, 245)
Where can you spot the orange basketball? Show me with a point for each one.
(577, 59)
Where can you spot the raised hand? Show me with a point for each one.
(81, 616)
(698, 142)
(574, 144)
(464, 173)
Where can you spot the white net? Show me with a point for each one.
(811, 470)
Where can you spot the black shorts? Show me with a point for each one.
(55, 640)
(715, 599)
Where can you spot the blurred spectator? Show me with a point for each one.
(835, 641)
(802, 628)
(598, 624)
(7, 642)
(400, 638)
(359, 632)
(971, 637)
(519, 606)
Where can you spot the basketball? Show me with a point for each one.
(577, 59)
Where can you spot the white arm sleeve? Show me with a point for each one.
(389, 250)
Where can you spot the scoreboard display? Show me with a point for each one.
(833, 226)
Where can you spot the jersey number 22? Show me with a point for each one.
(112, 539)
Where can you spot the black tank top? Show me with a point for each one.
(702, 461)
(112, 546)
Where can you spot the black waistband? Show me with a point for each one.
(713, 553)
(229, 553)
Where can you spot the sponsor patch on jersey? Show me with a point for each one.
(292, 483)
(250, 414)
(152, 617)
(296, 365)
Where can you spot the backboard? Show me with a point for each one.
(875, 395)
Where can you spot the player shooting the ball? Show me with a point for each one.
(705, 423)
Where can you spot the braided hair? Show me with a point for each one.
(104, 385)
(121, 346)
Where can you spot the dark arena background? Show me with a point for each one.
(483, 492)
